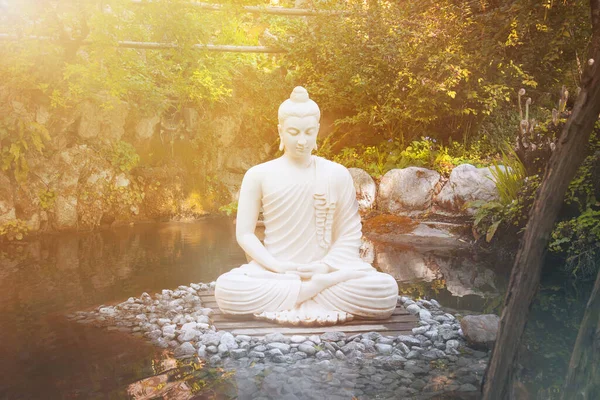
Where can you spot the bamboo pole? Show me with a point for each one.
(205, 47)
(290, 12)
(160, 46)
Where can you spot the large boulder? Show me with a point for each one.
(365, 187)
(467, 183)
(103, 122)
(480, 330)
(146, 127)
(65, 213)
(407, 191)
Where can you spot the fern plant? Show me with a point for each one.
(509, 176)
(509, 180)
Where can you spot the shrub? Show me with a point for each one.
(513, 215)
(229, 209)
(47, 198)
(426, 153)
(13, 230)
(123, 156)
(579, 239)
(509, 176)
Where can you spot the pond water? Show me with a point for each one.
(43, 355)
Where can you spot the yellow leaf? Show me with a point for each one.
(491, 231)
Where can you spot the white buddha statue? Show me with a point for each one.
(308, 270)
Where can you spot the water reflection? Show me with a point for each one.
(184, 379)
(459, 278)
(42, 280)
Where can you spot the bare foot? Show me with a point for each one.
(308, 313)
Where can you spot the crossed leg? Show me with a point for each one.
(309, 312)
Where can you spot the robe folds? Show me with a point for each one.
(315, 220)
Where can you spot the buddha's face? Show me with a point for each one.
(299, 135)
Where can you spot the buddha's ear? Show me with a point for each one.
(279, 129)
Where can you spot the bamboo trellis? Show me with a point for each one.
(157, 46)
(283, 11)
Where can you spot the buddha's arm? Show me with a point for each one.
(247, 216)
(344, 251)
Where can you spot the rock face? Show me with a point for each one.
(480, 330)
(466, 183)
(103, 122)
(407, 191)
(366, 190)
(65, 212)
(7, 208)
(146, 127)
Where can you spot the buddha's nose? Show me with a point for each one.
(302, 141)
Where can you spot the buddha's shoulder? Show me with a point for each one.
(335, 169)
(260, 170)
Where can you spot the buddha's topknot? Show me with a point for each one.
(298, 105)
(299, 95)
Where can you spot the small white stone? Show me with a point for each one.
(298, 339)
(315, 339)
(424, 314)
(413, 309)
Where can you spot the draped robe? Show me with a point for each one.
(315, 220)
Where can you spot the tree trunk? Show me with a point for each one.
(525, 276)
(583, 378)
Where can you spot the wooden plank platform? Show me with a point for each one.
(400, 323)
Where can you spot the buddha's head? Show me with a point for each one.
(298, 124)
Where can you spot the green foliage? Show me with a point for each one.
(124, 200)
(47, 199)
(583, 190)
(488, 217)
(13, 230)
(579, 239)
(123, 156)
(512, 215)
(21, 137)
(229, 209)
(576, 236)
(408, 69)
(427, 153)
(508, 176)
